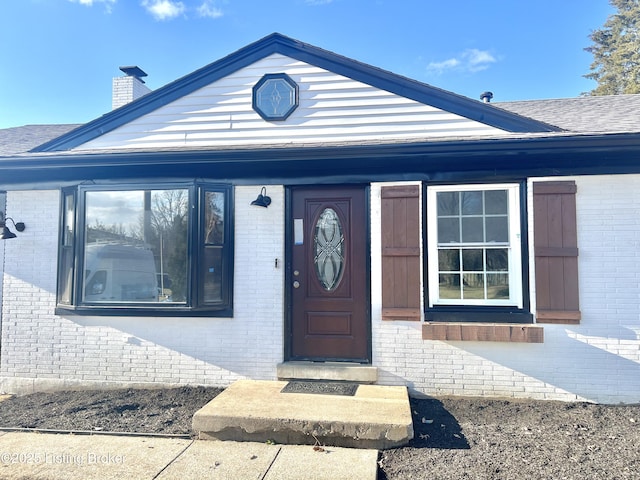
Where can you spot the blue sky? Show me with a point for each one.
(57, 57)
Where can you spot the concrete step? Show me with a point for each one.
(375, 417)
(338, 371)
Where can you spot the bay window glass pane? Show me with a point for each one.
(68, 221)
(497, 229)
(135, 246)
(449, 260)
(211, 275)
(472, 230)
(214, 218)
(449, 286)
(473, 286)
(65, 275)
(65, 268)
(497, 285)
(448, 230)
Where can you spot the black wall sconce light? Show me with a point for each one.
(263, 200)
(6, 233)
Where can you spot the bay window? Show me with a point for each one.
(161, 249)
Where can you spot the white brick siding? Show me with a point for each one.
(598, 360)
(2, 209)
(41, 350)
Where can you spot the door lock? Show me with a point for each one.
(296, 284)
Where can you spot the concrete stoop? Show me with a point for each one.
(376, 417)
(328, 371)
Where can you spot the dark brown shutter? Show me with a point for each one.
(401, 253)
(556, 252)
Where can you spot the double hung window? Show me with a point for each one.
(474, 245)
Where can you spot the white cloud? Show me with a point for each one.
(89, 3)
(439, 67)
(471, 60)
(164, 9)
(209, 9)
(478, 60)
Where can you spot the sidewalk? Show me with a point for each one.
(65, 456)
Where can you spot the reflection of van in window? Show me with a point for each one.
(119, 273)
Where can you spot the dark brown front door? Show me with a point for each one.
(328, 281)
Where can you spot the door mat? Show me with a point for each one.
(321, 388)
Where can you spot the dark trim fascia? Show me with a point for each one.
(277, 43)
(426, 161)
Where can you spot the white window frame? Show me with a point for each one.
(514, 248)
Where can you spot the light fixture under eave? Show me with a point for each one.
(6, 233)
(263, 200)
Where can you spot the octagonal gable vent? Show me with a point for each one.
(275, 96)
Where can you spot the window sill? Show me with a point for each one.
(483, 332)
(141, 312)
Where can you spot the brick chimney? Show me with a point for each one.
(128, 88)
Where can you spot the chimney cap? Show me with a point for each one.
(134, 71)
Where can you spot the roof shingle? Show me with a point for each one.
(22, 139)
(589, 114)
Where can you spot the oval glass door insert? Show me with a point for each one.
(328, 249)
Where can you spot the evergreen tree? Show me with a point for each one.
(616, 51)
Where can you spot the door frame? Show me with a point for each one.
(288, 273)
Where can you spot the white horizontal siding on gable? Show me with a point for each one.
(332, 108)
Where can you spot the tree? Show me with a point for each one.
(616, 51)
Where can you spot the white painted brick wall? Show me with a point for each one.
(126, 90)
(41, 350)
(598, 360)
(2, 209)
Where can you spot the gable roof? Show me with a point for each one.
(587, 114)
(277, 43)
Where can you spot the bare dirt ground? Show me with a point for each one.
(458, 438)
(455, 438)
(167, 411)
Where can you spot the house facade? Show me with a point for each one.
(287, 206)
